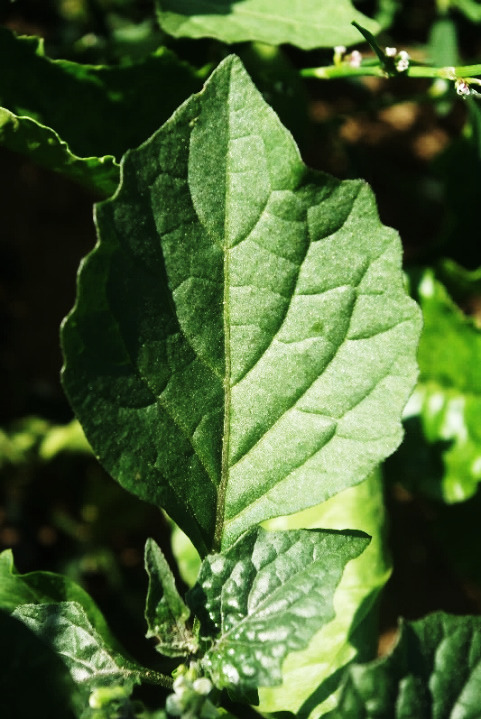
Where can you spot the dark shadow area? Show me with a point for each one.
(417, 464)
(33, 679)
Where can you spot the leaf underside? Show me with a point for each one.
(266, 596)
(434, 672)
(307, 23)
(242, 344)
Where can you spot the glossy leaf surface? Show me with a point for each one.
(307, 23)
(266, 596)
(242, 344)
(165, 612)
(434, 672)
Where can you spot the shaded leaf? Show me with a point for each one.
(34, 682)
(80, 119)
(242, 344)
(265, 597)
(45, 147)
(45, 588)
(165, 611)
(433, 672)
(64, 617)
(308, 24)
(65, 627)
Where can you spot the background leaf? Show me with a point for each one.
(45, 147)
(27, 661)
(45, 588)
(79, 118)
(242, 344)
(445, 408)
(434, 671)
(265, 596)
(307, 24)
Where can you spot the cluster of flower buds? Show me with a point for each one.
(354, 59)
(190, 699)
(401, 58)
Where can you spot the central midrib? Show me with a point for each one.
(219, 519)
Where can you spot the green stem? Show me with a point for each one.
(345, 70)
(150, 676)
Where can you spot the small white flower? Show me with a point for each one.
(355, 59)
(402, 61)
(391, 51)
(202, 686)
(174, 705)
(339, 52)
(462, 87)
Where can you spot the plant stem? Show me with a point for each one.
(343, 70)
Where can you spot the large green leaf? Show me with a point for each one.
(242, 344)
(266, 596)
(447, 401)
(80, 119)
(434, 672)
(307, 23)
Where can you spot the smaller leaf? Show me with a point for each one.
(265, 597)
(80, 119)
(65, 627)
(28, 662)
(66, 619)
(433, 672)
(165, 611)
(46, 588)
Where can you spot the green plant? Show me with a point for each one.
(240, 354)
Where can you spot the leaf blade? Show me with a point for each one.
(265, 597)
(446, 403)
(220, 270)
